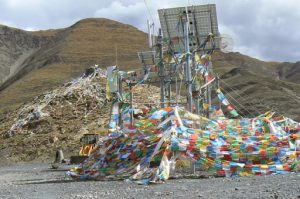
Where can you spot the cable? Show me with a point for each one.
(259, 101)
(149, 12)
(239, 95)
(238, 109)
(240, 105)
(243, 107)
(157, 103)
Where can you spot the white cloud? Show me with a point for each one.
(124, 13)
(266, 29)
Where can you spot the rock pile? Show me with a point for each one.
(76, 99)
(59, 118)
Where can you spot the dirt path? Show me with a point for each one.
(38, 181)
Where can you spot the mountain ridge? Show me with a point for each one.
(53, 57)
(59, 55)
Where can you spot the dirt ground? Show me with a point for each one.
(39, 181)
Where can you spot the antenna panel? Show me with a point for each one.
(202, 20)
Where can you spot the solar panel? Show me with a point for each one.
(147, 57)
(202, 20)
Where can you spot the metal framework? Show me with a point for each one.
(147, 57)
(201, 19)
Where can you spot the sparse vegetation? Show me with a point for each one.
(262, 85)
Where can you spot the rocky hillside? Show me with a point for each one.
(18, 49)
(254, 86)
(57, 119)
(34, 64)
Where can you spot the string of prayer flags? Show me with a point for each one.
(222, 146)
(225, 102)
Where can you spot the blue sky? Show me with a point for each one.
(265, 29)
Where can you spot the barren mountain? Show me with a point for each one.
(255, 86)
(32, 63)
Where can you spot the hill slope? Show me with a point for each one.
(259, 86)
(45, 59)
(58, 118)
(32, 63)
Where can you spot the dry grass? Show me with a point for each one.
(94, 41)
(184, 164)
(88, 42)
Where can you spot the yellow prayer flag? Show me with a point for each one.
(205, 106)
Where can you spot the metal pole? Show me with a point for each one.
(116, 48)
(208, 93)
(209, 100)
(218, 86)
(120, 90)
(197, 105)
(169, 92)
(176, 86)
(161, 70)
(188, 67)
(131, 105)
(149, 34)
(188, 75)
(196, 99)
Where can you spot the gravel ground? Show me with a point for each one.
(38, 181)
